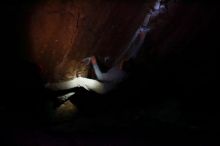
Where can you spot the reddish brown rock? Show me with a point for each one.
(63, 33)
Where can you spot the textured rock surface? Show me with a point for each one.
(177, 67)
(62, 33)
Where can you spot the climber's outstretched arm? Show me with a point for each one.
(100, 76)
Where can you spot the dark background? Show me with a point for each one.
(171, 93)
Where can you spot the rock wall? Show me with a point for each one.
(63, 32)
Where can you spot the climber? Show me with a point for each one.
(104, 83)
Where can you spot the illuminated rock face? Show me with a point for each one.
(64, 32)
